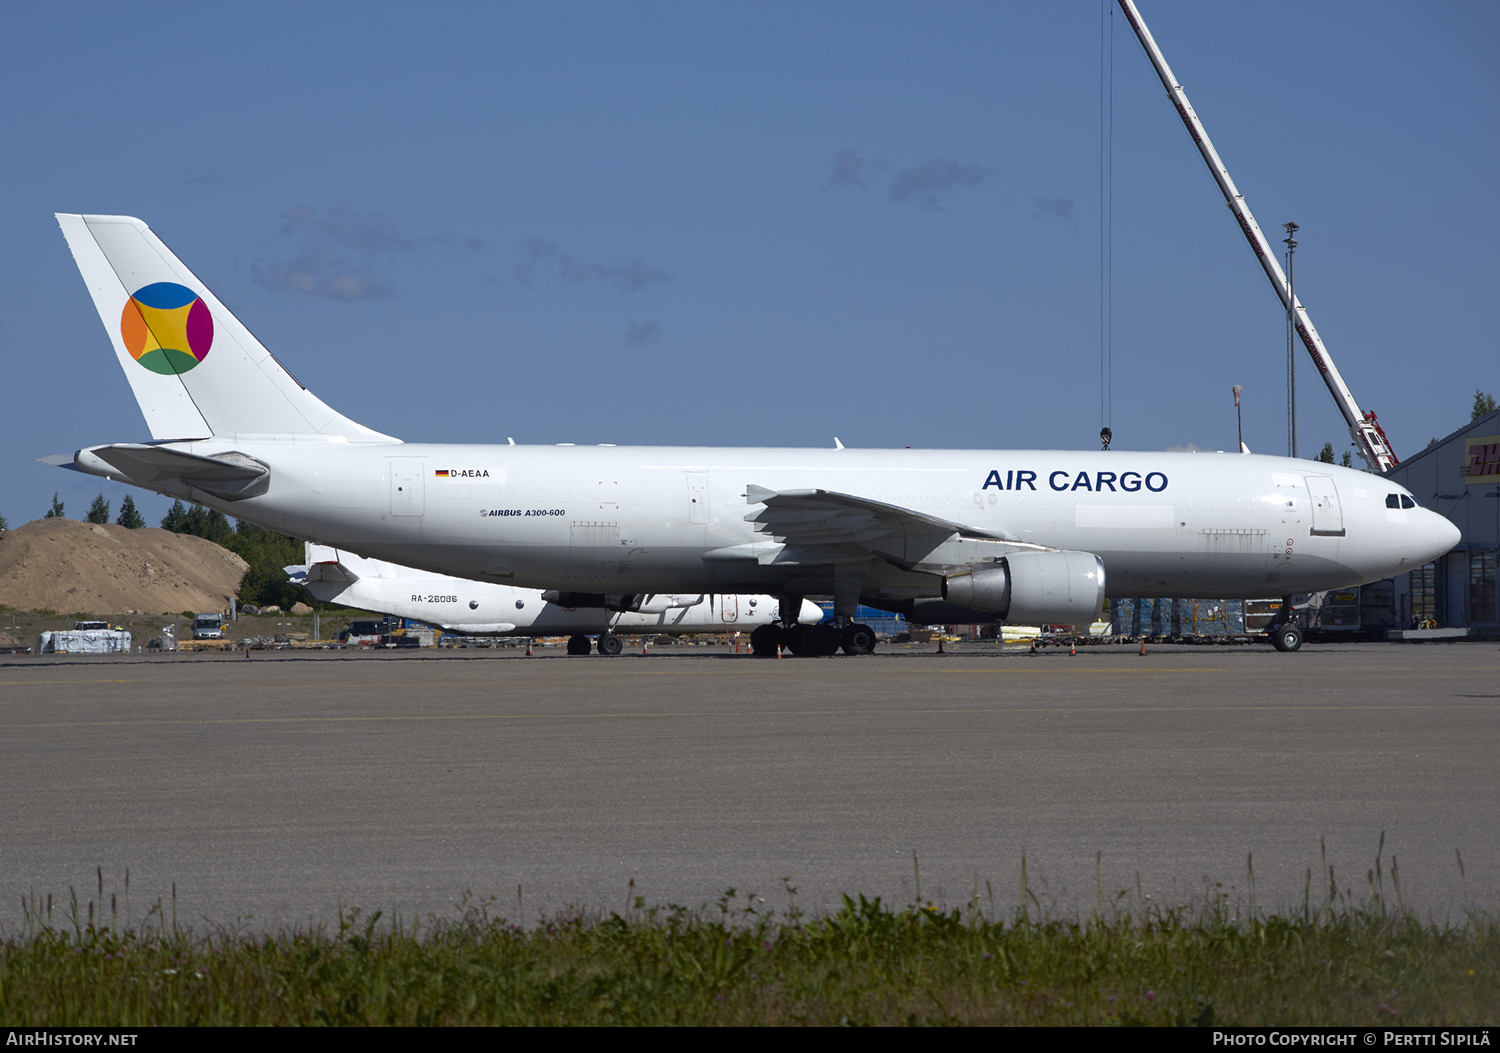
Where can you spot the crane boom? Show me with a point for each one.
(1369, 438)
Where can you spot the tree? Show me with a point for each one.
(130, 516)
(198, 521)
(3, 524)
(265, 583)
(1326, 453)
(56, 511)
(173, 519)
(1482, 404)
(1348, 461)
(98, 511)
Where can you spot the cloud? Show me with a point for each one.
(928, 184)
(338, 254)
(846, 169)
(1061, 207)
(633, 275)
(453, 243)
(642, 333)
(208, 176)
(218, 290)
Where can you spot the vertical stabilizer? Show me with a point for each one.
(196, 371)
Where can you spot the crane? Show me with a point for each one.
(1369, 438)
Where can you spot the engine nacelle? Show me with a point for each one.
(1033, 588)
(634, 603)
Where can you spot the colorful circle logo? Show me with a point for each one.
(167, 328)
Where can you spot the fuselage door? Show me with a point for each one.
(729, 608)
(697, 497)
(1327, 513)
(406, 487)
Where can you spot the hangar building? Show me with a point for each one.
(1459, 477)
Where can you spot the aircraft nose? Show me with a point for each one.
(1448, 534)
(1440, 534)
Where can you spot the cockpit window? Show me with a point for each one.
(1393, 500)
(1407, 502)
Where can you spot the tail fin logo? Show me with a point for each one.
(167, 328)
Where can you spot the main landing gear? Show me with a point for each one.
(806, 641)
(609, 645)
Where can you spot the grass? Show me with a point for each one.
(1131, 962)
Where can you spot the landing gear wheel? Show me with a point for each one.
(1286, 638)
(798, 640)
(765, 641)
(610, 644)
(824, 640)
(859, 639)
(579, 645)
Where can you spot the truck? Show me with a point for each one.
(208, 627)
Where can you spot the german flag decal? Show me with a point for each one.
(441, 473)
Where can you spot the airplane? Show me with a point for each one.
(485, 608)
(941, 536)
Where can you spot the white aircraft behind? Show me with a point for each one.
(1030, 536)
(482, 608)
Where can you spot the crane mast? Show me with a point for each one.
(1369, 438)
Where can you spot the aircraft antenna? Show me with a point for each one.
(1369, 437)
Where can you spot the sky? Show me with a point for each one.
(761, 224)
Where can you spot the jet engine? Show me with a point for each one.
(1033, 588)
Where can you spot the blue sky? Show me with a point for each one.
(759, 223)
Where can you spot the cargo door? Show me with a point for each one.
(407, 493)
(593, 551)
(729, 609)
(1327, 513)
(1231, 560)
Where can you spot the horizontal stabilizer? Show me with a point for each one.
(334, 573)
(231, 476)
(59, 460)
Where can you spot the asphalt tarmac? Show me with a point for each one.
(276, 789)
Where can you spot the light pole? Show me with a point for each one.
(1238, 420)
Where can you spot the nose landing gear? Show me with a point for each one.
(1285, 636)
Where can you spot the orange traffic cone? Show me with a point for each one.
(528, 647)
(940, 645)
(1072, 649)
(1143, 645)
(1033, 646)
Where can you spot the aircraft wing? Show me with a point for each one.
(824, 526)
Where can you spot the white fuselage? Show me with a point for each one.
(618, 519)
(485, 608)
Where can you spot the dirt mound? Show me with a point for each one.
(68, 566)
